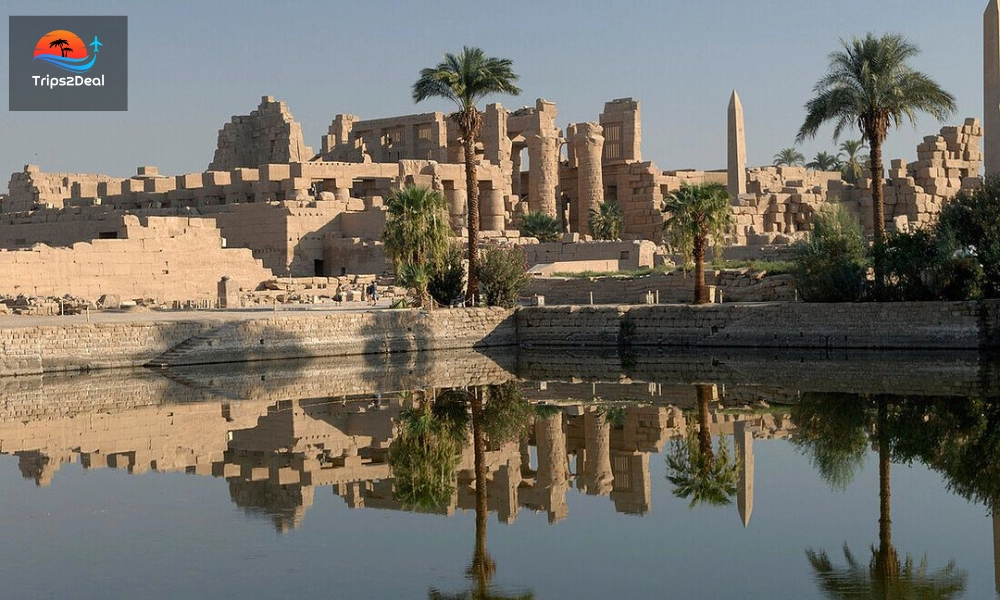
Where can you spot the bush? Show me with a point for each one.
(908, 262)
(542, 226)
(830, 265)
(927, 265)
(502, 274)
(606, 221)
(971, 225)
(447, 284)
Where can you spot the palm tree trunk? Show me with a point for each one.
(878, 181)
(878, 206)
(472, 194)
(700, 291)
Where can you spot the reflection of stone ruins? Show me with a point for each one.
(320, 215)
(275, 446)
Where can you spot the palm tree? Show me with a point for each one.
(789, 157)
(542, 226)
(824, 161)
(697, 212)
(870, 84)
(606, 221)
(61, 43)
(850, 158)
(465, 79)
(416, 235)
(695, 469)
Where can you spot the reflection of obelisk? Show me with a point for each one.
(991, 88)
(743, 434)
(737, 163)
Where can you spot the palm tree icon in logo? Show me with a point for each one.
(63, 49)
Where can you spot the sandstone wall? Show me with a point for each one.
(167, 258)
(924, 325)
(31, 188)
(32, 350)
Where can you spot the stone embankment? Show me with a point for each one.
(910, 325)
(245, 337)
(81, 346)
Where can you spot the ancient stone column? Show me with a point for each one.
(991, 88)
(457, 204)
(515, 171)
(543, 175)
(597, 476)
(553, 465)
(743, 436)
(588, 146)
(491, 210)
(737, 165)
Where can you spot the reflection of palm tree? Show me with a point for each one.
(423, 459)
(886, 577)
(61, 43)
(694, 469)
(483, 568)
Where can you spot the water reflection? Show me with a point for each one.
(833, 433)
(457, 432)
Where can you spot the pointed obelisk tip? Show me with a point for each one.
(992, 6)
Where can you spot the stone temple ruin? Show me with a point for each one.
(268, 206)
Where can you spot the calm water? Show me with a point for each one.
(274, 481)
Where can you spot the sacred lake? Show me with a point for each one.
(507, 473)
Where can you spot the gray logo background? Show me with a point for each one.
(112, 62)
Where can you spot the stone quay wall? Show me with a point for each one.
(912, 325)
(85, 346)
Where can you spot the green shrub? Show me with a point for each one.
(502, 274)
(542, 226)
(606, 221)
(447, 284)
(830, 265)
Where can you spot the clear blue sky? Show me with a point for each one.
(195, 63)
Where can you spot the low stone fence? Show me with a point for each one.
(731, 285)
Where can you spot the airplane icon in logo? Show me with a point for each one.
(96, 44)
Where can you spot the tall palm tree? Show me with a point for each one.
(789, 157)
(694, 467)
(416, 235)
(850, 158)
(697, 212)
(466, 79)
(870, 84)
(823, 161)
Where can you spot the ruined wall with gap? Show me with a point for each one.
(267, 135)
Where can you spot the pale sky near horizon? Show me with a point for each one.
(193, 64)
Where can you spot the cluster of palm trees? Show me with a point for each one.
(869, 84)
(849, 160)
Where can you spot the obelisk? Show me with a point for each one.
(991, 89)
(737, 165)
